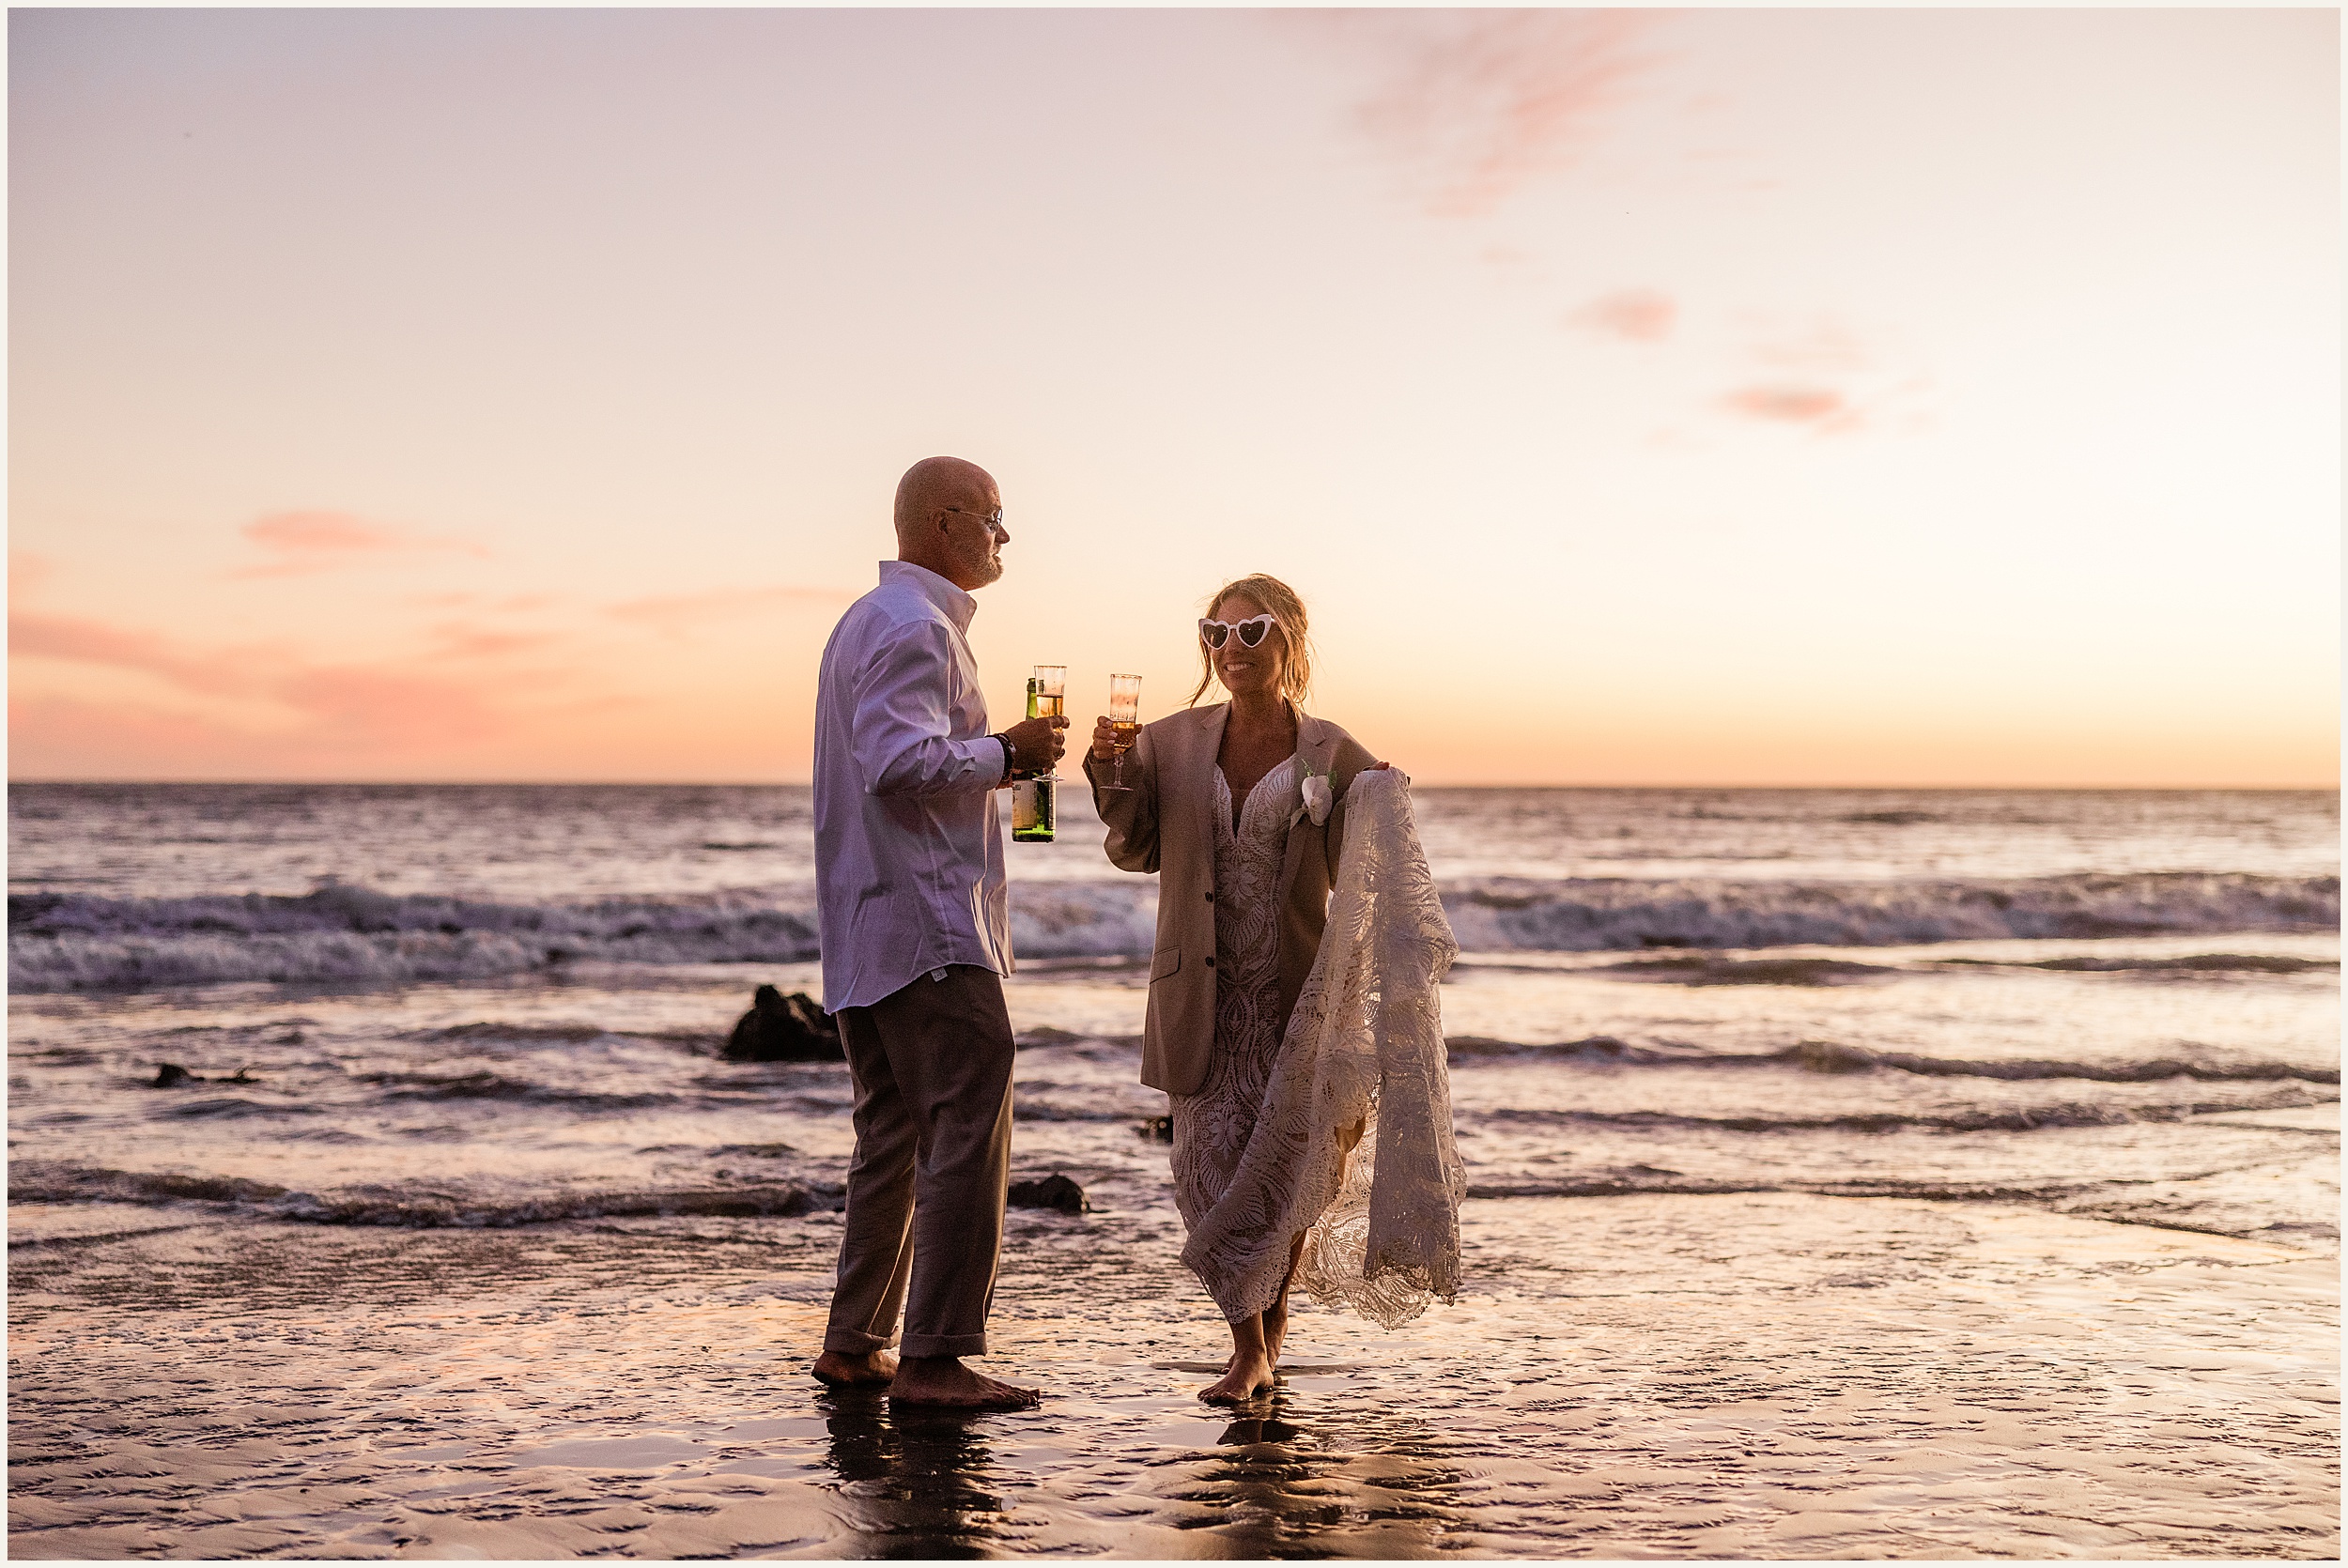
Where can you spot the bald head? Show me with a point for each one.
(944, 505)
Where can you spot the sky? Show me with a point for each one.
(1634, 397)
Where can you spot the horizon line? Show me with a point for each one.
(2332, 788)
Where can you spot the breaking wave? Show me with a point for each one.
(355, 935)
(2029, 1118)
(350, 935)
(416, 1205)
(1828, 1056)
(397, 1087)
(1614, 1181)
(1500, 915)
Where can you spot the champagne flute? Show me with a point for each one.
(1125, 723)
(1052, 686)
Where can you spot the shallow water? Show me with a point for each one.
(1956, 1071)
(1748, 1376)
(1854, 1172)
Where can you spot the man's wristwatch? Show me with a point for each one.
(1011, 754)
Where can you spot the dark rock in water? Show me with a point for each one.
(780, 1029)
(170, 1075)
(1159, 1129)
(1054, 1192)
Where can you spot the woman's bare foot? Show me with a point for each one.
(873, 1370)
(1276, 1329)
(942, 1382)
(1250, 1375)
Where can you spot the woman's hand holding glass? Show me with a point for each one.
(1115, 730)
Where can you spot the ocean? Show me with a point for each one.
(453, 1012)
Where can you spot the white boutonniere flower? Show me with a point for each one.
(1317, 798)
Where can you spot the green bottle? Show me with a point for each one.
(1031, 799)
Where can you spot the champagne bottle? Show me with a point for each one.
(1032, 798)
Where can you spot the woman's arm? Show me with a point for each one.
(1131, 813)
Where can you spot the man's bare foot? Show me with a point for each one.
(943, 1382)
(873, 1370)
(1250, 1375)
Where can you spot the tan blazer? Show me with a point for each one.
(1165, 823)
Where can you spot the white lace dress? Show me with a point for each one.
(1341, 1131)
(1211, 1127)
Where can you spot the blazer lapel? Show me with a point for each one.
(1207, 740)
(1315, 746)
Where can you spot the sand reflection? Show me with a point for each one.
(924, 1482)
(1306, 1473)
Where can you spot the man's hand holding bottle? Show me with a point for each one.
(1036, 745)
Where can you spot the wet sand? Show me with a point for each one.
(1765, 1376)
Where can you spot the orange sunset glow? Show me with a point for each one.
(1635, 398)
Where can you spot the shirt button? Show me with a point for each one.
(1210, 894)
(1211, 964)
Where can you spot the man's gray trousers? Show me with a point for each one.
(932, 1064)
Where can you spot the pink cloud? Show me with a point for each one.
(85, 641)
(338, 706)
(65, 737)
(1819, 407)
(674, 615)
(305, 542)
(459, 640)
(1634, 315)
(1475, 104)
(391, 707)
(305, 532)
(1818, 372)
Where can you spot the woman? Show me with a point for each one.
(1240, 808)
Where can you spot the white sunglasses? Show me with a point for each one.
(1251, 631)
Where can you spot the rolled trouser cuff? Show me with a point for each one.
(922, 1346)
(854, 1342)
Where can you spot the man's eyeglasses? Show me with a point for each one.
(1251, 631)
(992, 519)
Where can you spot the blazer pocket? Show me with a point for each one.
(1163, 962)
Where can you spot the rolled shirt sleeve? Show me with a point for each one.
(903, 734)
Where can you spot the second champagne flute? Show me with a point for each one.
(1125, 723)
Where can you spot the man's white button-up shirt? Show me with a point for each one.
(908, 846)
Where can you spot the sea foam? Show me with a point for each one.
(348, 935)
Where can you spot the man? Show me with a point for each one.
(916, 932)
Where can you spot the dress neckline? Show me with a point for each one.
(1239, 808)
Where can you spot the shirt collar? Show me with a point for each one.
(957, 606)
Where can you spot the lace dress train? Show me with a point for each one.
(1341, 1131)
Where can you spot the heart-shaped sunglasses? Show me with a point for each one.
(1251, 631)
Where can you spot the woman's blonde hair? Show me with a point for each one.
(1296, 675)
